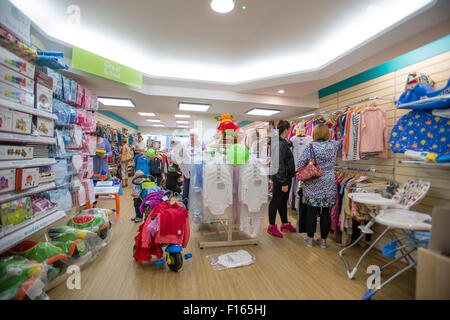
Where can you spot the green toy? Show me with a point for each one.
(17, 276)
(92, 220)
(43, 252)
(69, 239)
(151, 153)
(238, 154)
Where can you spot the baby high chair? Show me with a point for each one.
(405, 197)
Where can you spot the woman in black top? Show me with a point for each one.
(282, 183)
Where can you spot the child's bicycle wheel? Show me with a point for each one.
(174, 261)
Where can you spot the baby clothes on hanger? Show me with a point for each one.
(217, 187)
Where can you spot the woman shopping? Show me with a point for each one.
(125, 157)
(282, 181)
(320, 192)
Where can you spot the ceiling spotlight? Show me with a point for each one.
(281, 91)
(222, 6)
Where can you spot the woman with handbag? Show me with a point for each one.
(319, 188)
(125, 157)
(282, 181)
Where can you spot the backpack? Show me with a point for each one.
(155, 166)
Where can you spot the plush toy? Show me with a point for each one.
(227, 124)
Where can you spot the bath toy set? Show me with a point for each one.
(15, 153)
(16, 79)
(43, 92)
(7, 180)
(27, 178)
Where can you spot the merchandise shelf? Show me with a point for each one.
(19, 107)
(423, 163)
(16, 195)
(19, 164)
(29, 228)
(23, 138)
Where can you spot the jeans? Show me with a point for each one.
(137, 205)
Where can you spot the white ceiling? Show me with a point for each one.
(189, 53)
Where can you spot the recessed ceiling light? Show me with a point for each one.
(147, 114)
(222, 6)
(182, 116)
(182, 126)
(158, 125)
(198, 107)
(116, 102)
(182, 122)
(262, 112)
(153, 120)
(281, 91)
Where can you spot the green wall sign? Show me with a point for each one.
(105, 68)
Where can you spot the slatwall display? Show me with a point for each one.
(389, 87)
(105, 120)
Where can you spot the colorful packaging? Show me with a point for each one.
(7, 180)
(45, 177)
(14, 21)
(80, 92)
(73, 91)
(45, 127)
(6, 116)
(66, 89)
(15, 152)
(44, 98)
(16, 211)
(15, 63)
(16, 95)
(21, 122)
(27, 178)
(16, 79)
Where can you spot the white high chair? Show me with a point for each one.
(405, 197)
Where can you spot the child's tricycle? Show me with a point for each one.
(166, 226)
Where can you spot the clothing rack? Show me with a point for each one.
(362, 169)
(310, 115)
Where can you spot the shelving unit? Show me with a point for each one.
(30, 229)
(19, 164)
(22, 138)
(19, 107)
(29, 192)
(423, 163)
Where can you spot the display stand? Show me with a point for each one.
(228, 223)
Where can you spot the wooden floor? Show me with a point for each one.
(284, 269)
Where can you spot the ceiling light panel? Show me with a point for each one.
(153, 120)
(182, 126)
(197, 107)
(182, 122)
(262, 112)
(116, 102)
(158, 125)
(182, 116)
(146, 114)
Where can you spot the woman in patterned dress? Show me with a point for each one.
(320, 193)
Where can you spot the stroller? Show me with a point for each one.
(165, 227)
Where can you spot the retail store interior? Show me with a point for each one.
(225, 150)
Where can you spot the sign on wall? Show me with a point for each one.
(89, 62)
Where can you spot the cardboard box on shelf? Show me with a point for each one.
(16, 79)
(16, 211)
(6, 118)
(21, 122)
(27, 178)
(15, 22)
(45, 127)
(16, 95)
(10, 60)
(44, 98)
(7, 180)
(15, 153)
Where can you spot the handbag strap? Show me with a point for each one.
(312, 154)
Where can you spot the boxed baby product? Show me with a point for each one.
(21, 122)
(45, 127)
(7, 180)
(14, 21)
(16, 79)
(15, 63)
(16, 211)
(5, 119)
(27, 178)
(16, 95)
(46, 176)
(15, 152)
(44, 98)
